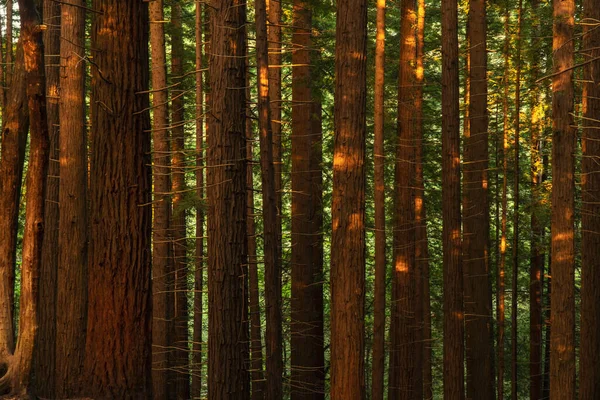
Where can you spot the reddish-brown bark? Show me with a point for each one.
(562, 343)
(226, 178)
(348, 204)
(118, 348)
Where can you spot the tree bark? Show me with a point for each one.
(118, 351)
(453, 271)
(162, 267)
(562, 344)
(226, 178)
(73, 224)
(179, 216)
(377, 385)
(478, 295)
(196, 368)
(18, 377)
(589, 367)
(46, 352)
(348, 203)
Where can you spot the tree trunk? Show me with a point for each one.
(453, 271)
(421, 241)
(589, 367)
(477, 295)
(197, 370)
(73, 225)
(18, 376)
(562, 344)
(306, 304)
(537, 228)
(274, 43)
(14, 140)
(348, 204)
(227, 250)
(178, 218)
(273, 338)
(377, 385)
(500, 279)
(405, 380)
(118, 351)
(162, 285)
(46, 352)
(10, 62)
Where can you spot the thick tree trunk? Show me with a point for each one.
(306, 305)
(18, 377)
(273, 337)
(162, 285)
(589, 367)
(226, 178)
(348, 204)
(478, 294)
(73, 225)
(118, 352)
(196, 368)
(562, 344)
(179, 216)
(377, 385)
(46, 352)
(453, 271)
(405, 380)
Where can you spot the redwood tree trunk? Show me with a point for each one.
(45, 354)
(73, 225)
(451, 237)
(178, 218)
(118, 351)
(476, 223)
(348, 203)
(162, 279)
(18, 378)
(377, 384)
(589, 367)
(562, 344)
(306, 304)
(226, 161)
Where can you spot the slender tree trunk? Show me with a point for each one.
(377, 385)
(307, 317)
(537, 228)
(547, 339)
(515, 253)
(453, 274)
(421, 241)
(118, 351)
(273, 338)
(562, 344)
(14, 140)
(196, 367)
(503, 239)
(405, 380)
(46, 352)
(10, 64)
(476, 250)
(348, 204)
(589, 367)
(162, 286)
(274, 43)
(73, 225)
(18, 377)
(256, 356)
(226, 178)
(178, 218)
